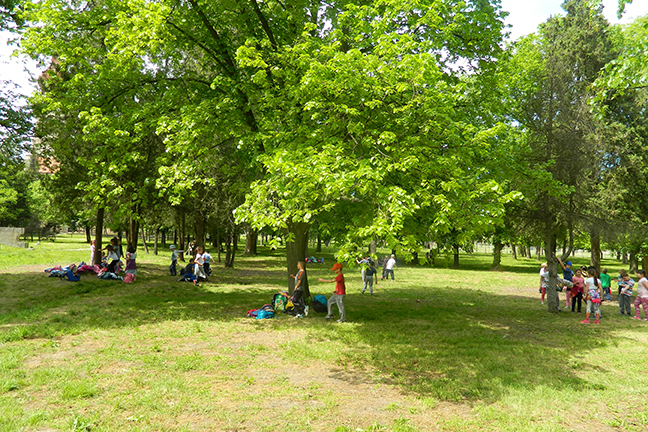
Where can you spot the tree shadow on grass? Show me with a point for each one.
(461, 345)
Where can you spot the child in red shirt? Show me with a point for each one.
(338, 295)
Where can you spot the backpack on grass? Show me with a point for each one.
(319, 303)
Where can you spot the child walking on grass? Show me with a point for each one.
(642, 296)
(338, 295)
(594, 292)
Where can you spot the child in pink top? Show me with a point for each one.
(577, 290)
(642, 296)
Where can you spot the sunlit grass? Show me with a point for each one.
(439, 348)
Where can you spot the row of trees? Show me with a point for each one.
(387, 121)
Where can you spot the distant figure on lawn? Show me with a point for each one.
(298, 293)
(605, 284)
(199, 266)
(568, 275)
(594, 292)
(542, 290)
(368, 279)
(577, 290)
(625, 292)
(339, 294)
(175, 254)
(389, 267)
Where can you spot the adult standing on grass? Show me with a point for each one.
(389, 268)
(339, 294)
(642, 296)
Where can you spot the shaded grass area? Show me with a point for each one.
(437, 349)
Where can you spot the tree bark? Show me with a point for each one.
(146, 249)
(155, 245)
(295, 252)
(624, 258)
(199, 230)
(595, 246)
(318, 249)
(514, 251)
(497, 255)
(552, 266)
(163, 235)
(87, 233)
(456, 256)
(633, 262)
(251, 237)
(98, 236)
(373, 248)
(133, 228)
(539, 252)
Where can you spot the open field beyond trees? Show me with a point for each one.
(477, 353)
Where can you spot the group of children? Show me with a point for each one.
(111, 257)
(198, 269)
(596, 288)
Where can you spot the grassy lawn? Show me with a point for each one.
(438, 349)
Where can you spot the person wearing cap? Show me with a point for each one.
(568, 275)
(174, 260)
(338, 295)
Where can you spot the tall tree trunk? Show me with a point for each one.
(528, 251)
(133, 228)
(199, 229)
(552, 267)
(232, 244)
(624, 258)
(522, 251)
(181, 235)
(155, 246)
(87, 233)
(251, 237)
(595, 246)
(295, 252)
(514, 251)
(318, 249)
(163, 239)
(497, 254)
(146, 249)
(373, 247)
(539, 252)
(219, 242)
(98, 236)
(634, 262)
(456, 256)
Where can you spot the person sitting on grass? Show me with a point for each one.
(338, 295)
(113, 259)
(594, 292)
(131, 266)
(187, 273)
